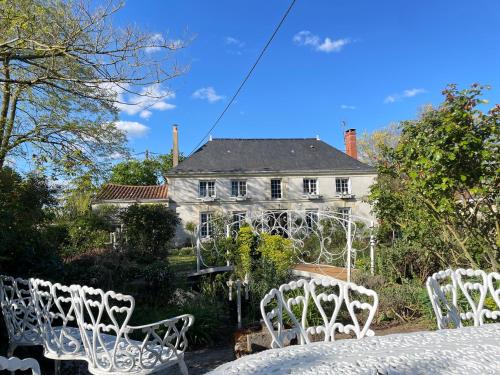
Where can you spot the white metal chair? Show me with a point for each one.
(103, 319)
(282, 306)
(493, 281)
(448, 288)
(14, 364)
(329, 296)
(18, 313)
(57, 322)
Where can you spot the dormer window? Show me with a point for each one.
(310, 186)
(342, 185)
(206, 189)
(238, 188)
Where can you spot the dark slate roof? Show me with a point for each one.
(110, 192)
(224, 155)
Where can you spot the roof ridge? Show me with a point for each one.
(264, 139)
(135, 186)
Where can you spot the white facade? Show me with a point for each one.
(190, 201)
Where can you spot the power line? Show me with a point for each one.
(247, 76)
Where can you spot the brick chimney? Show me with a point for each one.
(175, 146)
(350, 143)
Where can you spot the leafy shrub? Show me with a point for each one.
(158, 277)
(25, 207)
(278, 251)
(246, 246)
(148, 229)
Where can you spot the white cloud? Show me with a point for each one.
(132, 129)
(149, 98)
(327, 45)
(145, 114)
(208, 94)
(410, 93)
(345, 106)
(158, 41)
(230, 41)
(155, 42)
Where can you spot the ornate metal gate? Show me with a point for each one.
(317, 236)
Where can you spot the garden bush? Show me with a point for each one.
(149, 229)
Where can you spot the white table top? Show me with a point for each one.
(472, 350)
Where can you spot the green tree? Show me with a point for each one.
(64, 71)
(24, 203)
(441, 182)
(150, 171)
(372, 146)
(135, 172)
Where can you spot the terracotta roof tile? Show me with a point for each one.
(132, 192)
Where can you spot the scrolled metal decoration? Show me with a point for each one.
(317, 237)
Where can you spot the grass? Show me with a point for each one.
(181, 266)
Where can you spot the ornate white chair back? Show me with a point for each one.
(359, 299)
(103, 318)
(442, 290)
(280, 304)
(493, 281)
(56, 318)
(18, 311)
(473, 286)
(462, 298)
(14, 364)
(329, 297)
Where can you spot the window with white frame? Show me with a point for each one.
(205, 224)
(342, 185)
(238, 221)
(310, 186)
(345, 212)
(275, 188)
(206, 189)
(238, 188)
(311, 218)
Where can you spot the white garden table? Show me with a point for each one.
(471, 350)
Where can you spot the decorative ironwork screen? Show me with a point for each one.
(318, 236)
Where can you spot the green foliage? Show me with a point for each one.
(25, 215)
(150, 171)
(134, 172)
(148, 229)
(88, 232)
(437, 190)
(246, 245)
(398, 302)
(278, 251)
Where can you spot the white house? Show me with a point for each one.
(245, 176)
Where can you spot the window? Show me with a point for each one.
(238, 221)
(345, 212)
(310, 186)
(238, 188)
(342, 185)
(276, 188)
(205, 224)
(207, 189)
(311, 218)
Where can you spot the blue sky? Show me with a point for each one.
(365, 62)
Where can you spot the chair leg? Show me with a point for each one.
(183, 367)
(10, 350)
(10, 353)
(57, 367)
